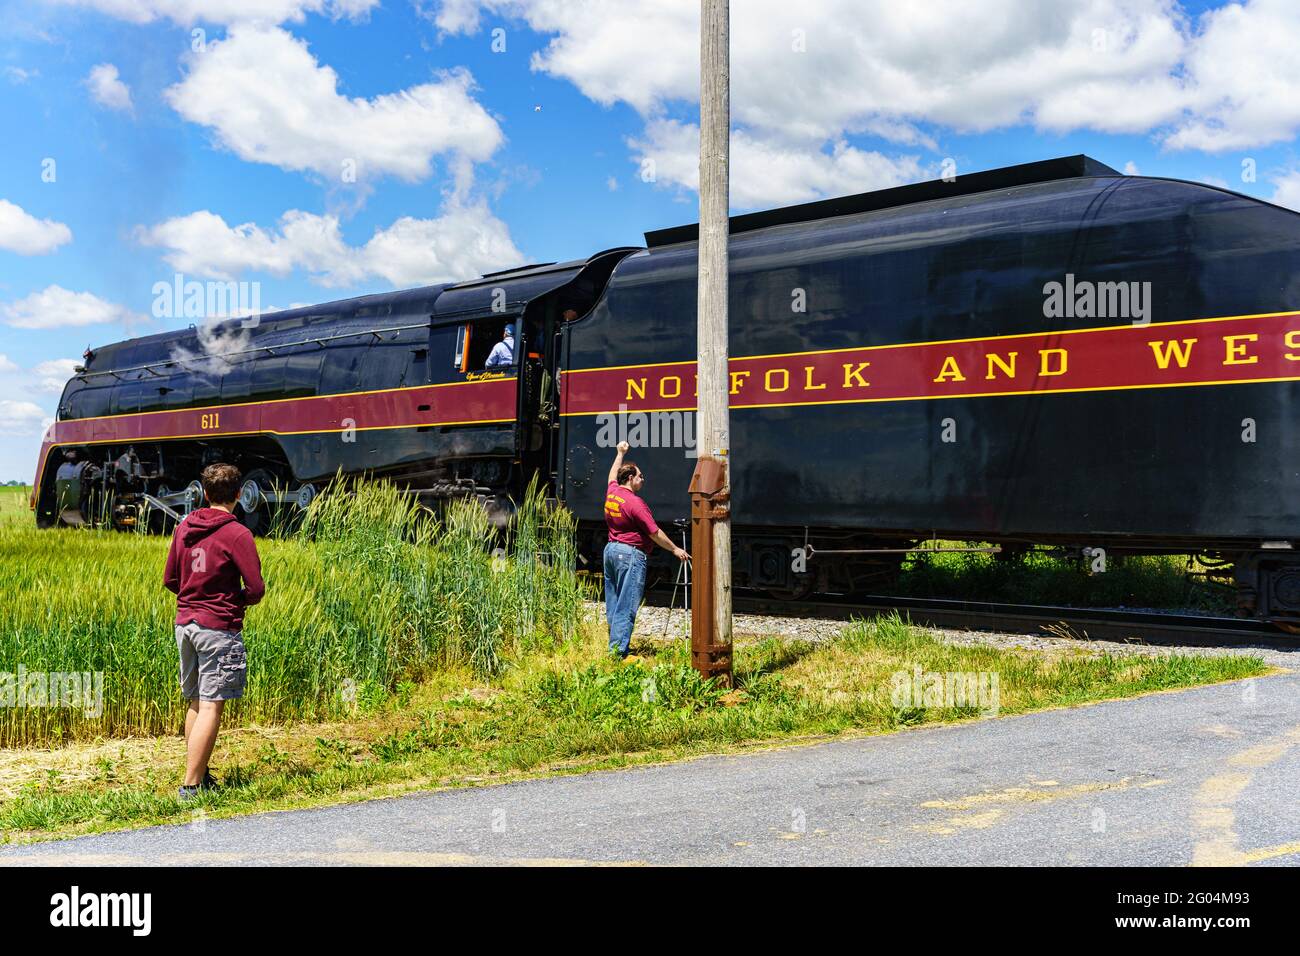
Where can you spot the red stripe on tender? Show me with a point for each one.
(1116, 358)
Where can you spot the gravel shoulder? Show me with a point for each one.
(657, 623)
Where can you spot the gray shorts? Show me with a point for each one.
(214, 665)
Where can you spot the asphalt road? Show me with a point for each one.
(1203, 777)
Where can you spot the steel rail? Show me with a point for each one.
(1107, 624)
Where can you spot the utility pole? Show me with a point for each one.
(711, 485)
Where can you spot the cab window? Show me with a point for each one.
(474, 343)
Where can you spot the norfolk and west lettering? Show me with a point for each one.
(1170, 354)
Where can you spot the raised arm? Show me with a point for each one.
(618, 462)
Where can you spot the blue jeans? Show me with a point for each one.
(624, 585)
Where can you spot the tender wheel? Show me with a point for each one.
(304, 496)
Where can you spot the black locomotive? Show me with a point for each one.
(1047, 354)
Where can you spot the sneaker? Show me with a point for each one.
(186, 794)
(208, 782)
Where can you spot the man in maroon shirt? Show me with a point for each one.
(214, 571)
(632, 532)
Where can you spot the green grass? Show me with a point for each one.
(13, 506)
(393, 652)
(569, 711)
(369, 593)
(1145, 581)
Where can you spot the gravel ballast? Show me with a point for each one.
(657, 623)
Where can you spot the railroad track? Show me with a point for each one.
(1107, 624)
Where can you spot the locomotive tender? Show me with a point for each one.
(1050, 354)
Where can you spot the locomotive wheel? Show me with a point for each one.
(254, 510)
(194, 496)
(250, 496)
(158, 519)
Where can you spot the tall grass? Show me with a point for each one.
(371, 591)
(1146, 581)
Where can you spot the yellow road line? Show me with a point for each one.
(1214, 809)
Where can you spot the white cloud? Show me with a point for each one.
(22, 418)
(811, 75)
(55, 307)
(108, 89)
(18, 76)
(1223, 79)
(837, 66)
(1244, 87)
(186, 12)
(768, 171)
(807, 77)
(7, 365)
(604, 52)
(466, 240)
(202, 243)
(1131, 169)
(452, 16)
(1286, 190)
(54, 374)
(267, 100)
(26, 235)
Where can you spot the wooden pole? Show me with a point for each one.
(711, 486)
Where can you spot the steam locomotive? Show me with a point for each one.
(1045, 355)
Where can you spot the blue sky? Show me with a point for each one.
(486, 134)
